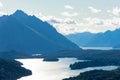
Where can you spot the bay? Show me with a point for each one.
(42, 70)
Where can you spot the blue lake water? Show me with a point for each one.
(97, 48)
(54, 70)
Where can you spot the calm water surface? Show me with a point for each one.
(97, 48)
(54, 70)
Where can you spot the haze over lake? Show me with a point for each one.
(54, 70)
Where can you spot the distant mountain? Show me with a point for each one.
(106, 39)
(117, 46)
(24, 33)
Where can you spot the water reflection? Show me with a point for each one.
(54, 70)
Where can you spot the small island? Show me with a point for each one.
(51, 59)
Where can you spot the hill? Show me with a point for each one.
(24, 33)
(12, 70)
(87, 39)
(98, 75)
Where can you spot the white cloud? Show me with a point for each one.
(69, 21)
(68, 14)
(91, 24)
(54, 20)
(1, 5)
(69, 7)
(115, 11)
(50, 19)
(94, 10)
(2, 13)
(94, 21)
(63, 25)
(102, 25)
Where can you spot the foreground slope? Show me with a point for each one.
(12, 70)
(98, 75)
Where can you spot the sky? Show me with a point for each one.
(70, 16)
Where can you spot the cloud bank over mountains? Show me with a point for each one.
(115, 11)
(70, 17)
(69, 25)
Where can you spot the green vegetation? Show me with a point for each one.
(98, 75)
(85, 54)
(14, 55)
(51, 59)
(95, 58)
(12, 70)
(94, 63)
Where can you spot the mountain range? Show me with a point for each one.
(24, 33)
(87, 39)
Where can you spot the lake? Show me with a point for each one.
(97, 48)
(54, 70)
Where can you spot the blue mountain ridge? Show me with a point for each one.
(87, 39)
(25, 33)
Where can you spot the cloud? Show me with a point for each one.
(90, 24)
(103, 24)
(55, 20)
(69, 21)
(66, 29)
(2, 13)
(115, 11)
(62, 25)
(94, 21)
(68, 14)
(50, 19)
(94, 10)
(69, 7)
(1, 5)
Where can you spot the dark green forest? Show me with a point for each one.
(12, 70)
(98, 75)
